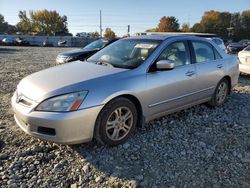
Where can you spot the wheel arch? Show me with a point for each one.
(134, 100)
(228, 78)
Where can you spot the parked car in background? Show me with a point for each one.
(244, 58)
(83, 53)
(219, 42)
(83, 34)
(46, 43)
(133, 80)
(244, 42)
(9, 41)
(62, 43)
(234, 48)
(21, 42)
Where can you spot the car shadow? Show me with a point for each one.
(2, 145)
(4, 50)
(175, 150)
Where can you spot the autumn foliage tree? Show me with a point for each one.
(185, 27)
(95, 34)
(168, 24)
(218, 23)
(42, 21)
(109, 33)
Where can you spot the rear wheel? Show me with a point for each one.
(220, 94)
(116, 122)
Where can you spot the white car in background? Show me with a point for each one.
(219, 42)
(244, 58)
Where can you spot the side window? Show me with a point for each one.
(203, 52)
(217, 41)
(177, 52)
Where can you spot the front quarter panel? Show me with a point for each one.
(101, 91)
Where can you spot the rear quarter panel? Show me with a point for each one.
(232, 69)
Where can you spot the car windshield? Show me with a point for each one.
(96, 45)
(127, 53)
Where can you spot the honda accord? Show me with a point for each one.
(124, 85)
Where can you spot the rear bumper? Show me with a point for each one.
(244, 68)
(66, 128)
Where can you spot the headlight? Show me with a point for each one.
(63, 103)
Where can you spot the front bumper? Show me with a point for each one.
(66, 128)
(244, 68)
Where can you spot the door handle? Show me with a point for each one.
(190, 73)
(219, 66)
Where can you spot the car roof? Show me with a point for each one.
(151, 37)
(165, 37)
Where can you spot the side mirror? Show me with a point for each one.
(165, 65)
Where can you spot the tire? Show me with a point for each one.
(116, 122)
(220, 94)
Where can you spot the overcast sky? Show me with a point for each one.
(83, 15)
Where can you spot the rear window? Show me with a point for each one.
(217, 41)
(203, 51)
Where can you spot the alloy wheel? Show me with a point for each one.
(119, 123)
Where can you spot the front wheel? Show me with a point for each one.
(116, 122)
(220, 94)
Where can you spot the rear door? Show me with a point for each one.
(170, 89)
(209, 68)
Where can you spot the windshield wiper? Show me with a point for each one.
(102, 63)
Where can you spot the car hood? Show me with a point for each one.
(75, 52)
(43, 84)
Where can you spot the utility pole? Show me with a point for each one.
(230, 29)
(101, 23)
(128, 30)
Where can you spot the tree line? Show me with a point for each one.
(227, 25)
(43, 22)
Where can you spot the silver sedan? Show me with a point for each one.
(124, 85)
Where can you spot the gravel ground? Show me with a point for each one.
(197, 147)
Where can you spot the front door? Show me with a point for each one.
(171, 89)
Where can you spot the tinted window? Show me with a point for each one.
(176, 52)
(203, 51)
(217, 41)
(247, 48)
(96, 45)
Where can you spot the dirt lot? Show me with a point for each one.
(197, 147)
